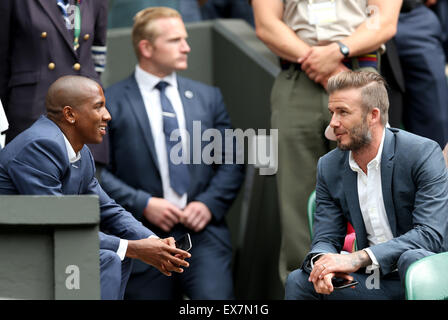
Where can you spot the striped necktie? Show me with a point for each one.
(179, 175)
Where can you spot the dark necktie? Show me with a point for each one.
(179, 176)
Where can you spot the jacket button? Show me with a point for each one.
(86, 36)
(51, 66)
(76, 67)
(43, 35)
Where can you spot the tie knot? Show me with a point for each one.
(162, 85)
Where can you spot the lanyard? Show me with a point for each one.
(77, 26)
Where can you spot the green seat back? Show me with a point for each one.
(311, 210)
(427, 279)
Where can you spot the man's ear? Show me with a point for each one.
(375, 116)
(146, 48)
(69, 115)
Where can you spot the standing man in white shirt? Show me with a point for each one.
(391, 185)
(169, 197)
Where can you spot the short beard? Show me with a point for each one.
(361, 137)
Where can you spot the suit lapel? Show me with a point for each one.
(137, 106)
(387, 166)
(350, 183)
(51, 9)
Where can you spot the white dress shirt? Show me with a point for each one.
(371, 202)
(151, 98)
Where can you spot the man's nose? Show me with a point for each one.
(334, 121)
(106, 115)
(185, 47)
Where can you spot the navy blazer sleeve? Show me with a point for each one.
(330, 226)
(227, 178)
(115, 220)
(133, 199)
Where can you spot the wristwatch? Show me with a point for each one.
(344, 49)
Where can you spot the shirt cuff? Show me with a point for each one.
(122, 248)
(375, 264)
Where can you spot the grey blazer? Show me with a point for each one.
(414, 182)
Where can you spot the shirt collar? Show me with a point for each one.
(374, 163)
(72, 156)
(148, 81)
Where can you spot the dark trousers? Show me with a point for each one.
(114, 275)
(419, 44)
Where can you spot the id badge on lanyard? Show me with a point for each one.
(321, 13)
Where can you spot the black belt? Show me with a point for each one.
(409, 5)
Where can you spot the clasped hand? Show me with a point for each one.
(165, 215)
(160, 253)
(335, 265)
(322, 62)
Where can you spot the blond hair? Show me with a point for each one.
(373, 90)
(144, 27)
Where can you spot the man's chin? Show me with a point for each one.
(182, 66)
(343, 147)
(95, 141)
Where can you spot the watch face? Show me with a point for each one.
(344, 49)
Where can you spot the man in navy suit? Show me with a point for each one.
(173, 199)
(391, 185)
(51, 158)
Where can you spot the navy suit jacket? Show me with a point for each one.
(36, 163)
(25, 55)
(132, 175)
(414, 183)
